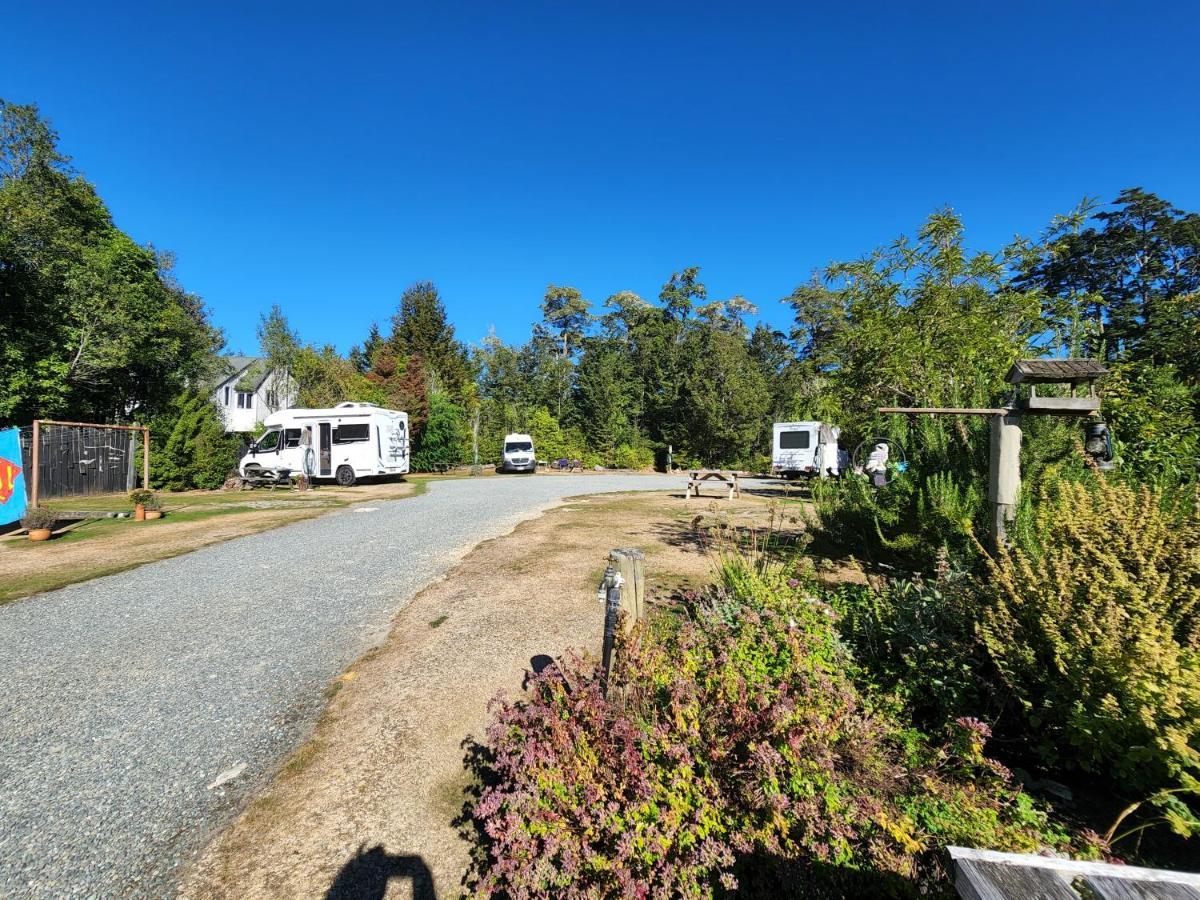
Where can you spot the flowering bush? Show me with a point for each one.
(1093, 625)
(726, 736)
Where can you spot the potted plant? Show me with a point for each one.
(138, 498)
(39, 522)
(153, 507)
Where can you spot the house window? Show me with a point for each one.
(245, 400)
(291, 437)
(349, 434)
(226, 395)
(272, 399)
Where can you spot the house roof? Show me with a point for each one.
(251, 369)
(1054, 371)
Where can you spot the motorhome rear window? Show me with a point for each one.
(291, 437)
(349, 434)
(794, 440)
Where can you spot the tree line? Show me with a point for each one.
(95, 327)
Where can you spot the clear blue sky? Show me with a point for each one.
(324, 156)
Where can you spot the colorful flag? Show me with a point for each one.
(12, 479)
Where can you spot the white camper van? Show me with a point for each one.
(345, 443)
(518, 454)
(808, 449)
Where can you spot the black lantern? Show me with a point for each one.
(1098, 444)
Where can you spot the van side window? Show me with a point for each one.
(350, 434)
(291, 437)
(794, 440)
(268, 442)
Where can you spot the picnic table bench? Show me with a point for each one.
(698, 477)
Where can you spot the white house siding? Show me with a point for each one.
(246, 419)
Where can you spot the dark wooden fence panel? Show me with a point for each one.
(77, 460)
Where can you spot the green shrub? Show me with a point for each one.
(627, 457)
(444, 438)
(737, 734)
(1092, 624)
(915, 638)
(192, 448)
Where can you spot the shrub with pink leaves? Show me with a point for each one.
(728, 737)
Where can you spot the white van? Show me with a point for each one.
(806, 449)
(345, 443)
(518, 454)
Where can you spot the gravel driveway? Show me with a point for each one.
(125, 700)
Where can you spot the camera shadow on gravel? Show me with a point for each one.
(368, 874)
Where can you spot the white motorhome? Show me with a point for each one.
(518, 454)
(345, 443)
(805, 449)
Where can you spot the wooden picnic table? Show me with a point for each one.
(697, 477)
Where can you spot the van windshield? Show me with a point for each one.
(518, 447)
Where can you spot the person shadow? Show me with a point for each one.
(365, 876)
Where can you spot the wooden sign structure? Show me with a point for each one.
(1004, 481)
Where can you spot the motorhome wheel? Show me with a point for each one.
(345, 476)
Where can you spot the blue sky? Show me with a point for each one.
(324, 156)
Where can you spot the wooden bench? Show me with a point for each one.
(698, 477)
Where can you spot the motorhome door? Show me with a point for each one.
(325, 451)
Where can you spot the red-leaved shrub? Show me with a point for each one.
(724, 736)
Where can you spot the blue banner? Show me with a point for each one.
(12, 479)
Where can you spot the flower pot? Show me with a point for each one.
(139, 513)
(154, 514)
(39, 534)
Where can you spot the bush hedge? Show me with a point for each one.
(1092, 624)
(736, 733)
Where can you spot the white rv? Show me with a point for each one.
(345, 443)
(807, 449)
(518, 454)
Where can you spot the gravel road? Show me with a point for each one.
(125, 700)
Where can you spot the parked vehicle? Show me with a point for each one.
(805, 449)
(345, 443)
(518, 454)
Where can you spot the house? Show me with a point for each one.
(248, 392)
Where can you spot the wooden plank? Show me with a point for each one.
(1108, 888)
(945, 410)
(1061, 406)
(980, 880)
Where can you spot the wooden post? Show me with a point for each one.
(36, 457)
(1005, 482)
(630, 564)
(146, 458)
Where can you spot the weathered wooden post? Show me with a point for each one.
(1005, 482)
(36, 459)
(623, 590)
(146, 458)
(630, 564)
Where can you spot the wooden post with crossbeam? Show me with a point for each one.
(1004, 471)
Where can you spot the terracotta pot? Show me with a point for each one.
(154, 514)
(139, 513)
(39, 534)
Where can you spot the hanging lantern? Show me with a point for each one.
(1098, 444)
